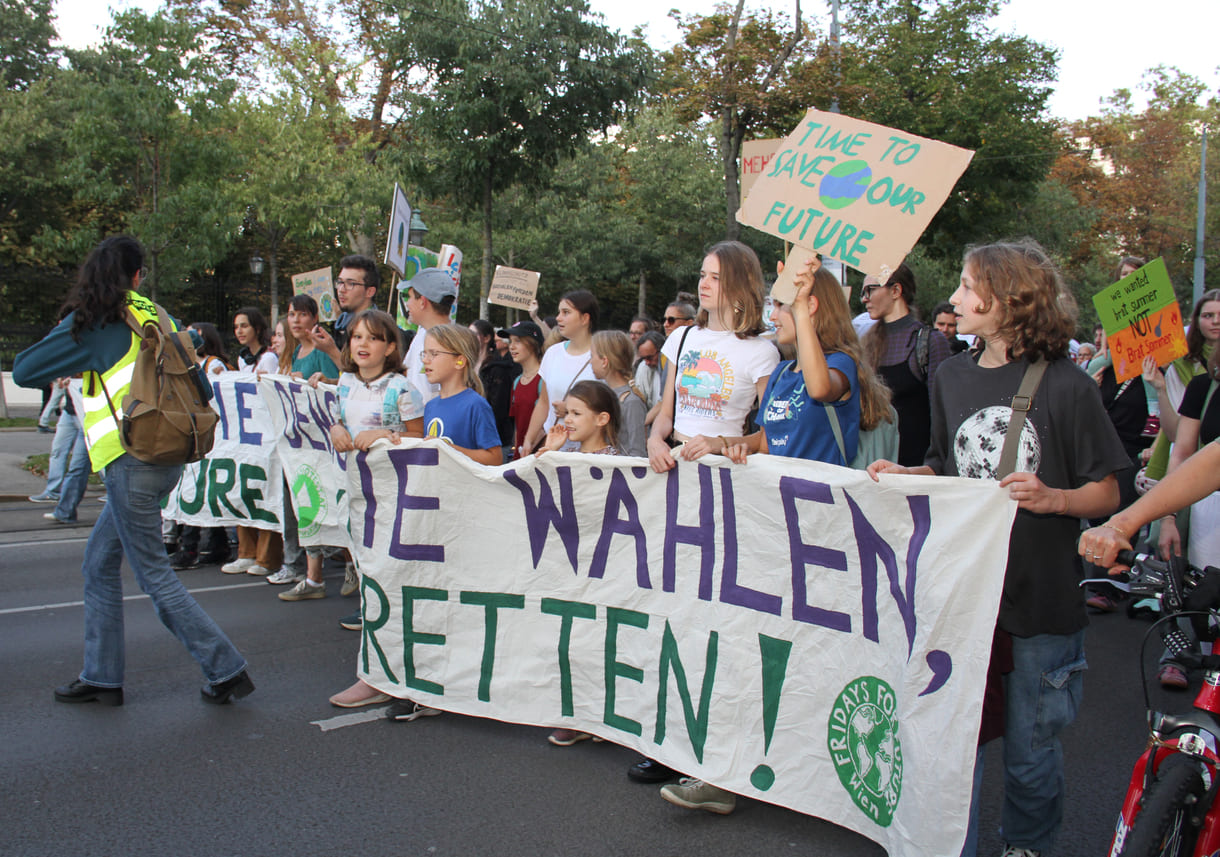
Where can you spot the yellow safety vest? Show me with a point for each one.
(101, 425)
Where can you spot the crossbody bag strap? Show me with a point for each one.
(673, 412)
(1021, 404)
(833, 418)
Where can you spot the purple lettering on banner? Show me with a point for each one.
(804, 555)
(702, 536)
(321, 420)
(370, 498)
(288, 407)
(732, 592)
(619, 496)
(242, 389)
(219, 401)
(540, 516)
(872, 546)
(401, 459)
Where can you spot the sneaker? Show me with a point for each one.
(304, 591)
(44, 497)
(183, 560)
(286, 574)
(351, 581)
(1173, 677)
(1013, 851)
(353, 622)
(51, 516)
(567, 737)
(258, 571)
(358, 696)
(404, 711)
(238, 565)
(696, 794)
(1101, 603)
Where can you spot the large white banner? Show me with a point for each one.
(787, 630)
(240, 481)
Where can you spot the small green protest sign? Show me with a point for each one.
(1141, 316)
(853, 190)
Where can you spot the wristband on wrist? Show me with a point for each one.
(724, 448)
(1110, 526)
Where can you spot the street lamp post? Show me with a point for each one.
(417, 230)
(256, 268)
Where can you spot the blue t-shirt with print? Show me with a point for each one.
(797, 426)
(465, 420)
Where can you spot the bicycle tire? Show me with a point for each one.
(1162, 828)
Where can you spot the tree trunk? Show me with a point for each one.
(643, 294)
(485, 288)
(728, 130)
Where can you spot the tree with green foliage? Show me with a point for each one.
(26, 33)
(515, 86)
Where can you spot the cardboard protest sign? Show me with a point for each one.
(319, 286)
(784, 289)
(239, 481)
(859, 192)
(400, 228)
(1142, 318)
(786, 630)
(513, 287)
(755, 156)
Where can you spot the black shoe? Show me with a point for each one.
(214, 558)
(235, 688)
(183, 560)
(79, 691)
(650, 771)
(353, 622)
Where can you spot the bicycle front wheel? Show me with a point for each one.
(1163, 827)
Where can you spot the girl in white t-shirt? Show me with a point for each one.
(719, 367)
(563, 364)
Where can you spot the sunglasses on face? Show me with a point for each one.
(674, 319)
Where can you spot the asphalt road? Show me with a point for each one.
(283, 773)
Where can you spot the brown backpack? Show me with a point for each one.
(167, 418)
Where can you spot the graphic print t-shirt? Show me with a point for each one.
(716, 374)
(465, 420)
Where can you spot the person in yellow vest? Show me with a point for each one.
(94, 339)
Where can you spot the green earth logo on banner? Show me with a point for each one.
(844, 184)
(862, 736)
(308, 501)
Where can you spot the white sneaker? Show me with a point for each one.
(237, 566)
(286, 575)
(258, 571)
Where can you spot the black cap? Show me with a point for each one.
(526, 330)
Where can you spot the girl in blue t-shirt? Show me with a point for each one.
(459, 415)
(828, 373)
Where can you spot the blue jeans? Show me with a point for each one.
(1042, 695)
(73, 485)
(61, 448)
(130, 524)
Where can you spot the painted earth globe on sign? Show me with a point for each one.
(980, 440)
(844, 184)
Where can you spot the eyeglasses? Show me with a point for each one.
(867, 291)
(674, 319)
(344, 285)
(431, 353)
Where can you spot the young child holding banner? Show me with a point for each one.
(1013, 297)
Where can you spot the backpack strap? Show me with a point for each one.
(1021, 404)
(837, 429)
(923, 351)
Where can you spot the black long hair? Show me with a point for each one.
(99, 296)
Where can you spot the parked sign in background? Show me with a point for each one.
(859, 192)
(1141, 316)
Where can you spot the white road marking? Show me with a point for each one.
(43, 543)
(367, 715)
(36, 607)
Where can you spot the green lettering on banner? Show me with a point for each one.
(696, 722)
(201, 489)
(369, 626)
(616, 616)
(219, 488)
(250, 495)
(568, 610)
(492, 602)
(411, 637)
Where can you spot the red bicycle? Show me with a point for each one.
(1169, 810)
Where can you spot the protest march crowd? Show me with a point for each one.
(998, 389)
